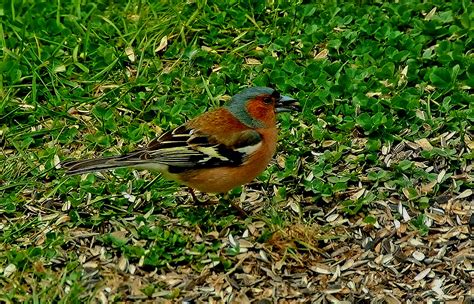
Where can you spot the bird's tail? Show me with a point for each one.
(101, 164)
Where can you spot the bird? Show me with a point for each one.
(214, 152)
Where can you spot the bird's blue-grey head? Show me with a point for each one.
(238, 104)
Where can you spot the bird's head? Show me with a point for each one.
(257, 107)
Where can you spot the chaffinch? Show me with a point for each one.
(214, 152)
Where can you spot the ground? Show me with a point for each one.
(369, 198)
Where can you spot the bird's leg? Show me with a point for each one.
(196, 200)
(193, 195)
(239, 209)
(235, 205)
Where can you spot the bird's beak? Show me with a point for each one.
(287, 104)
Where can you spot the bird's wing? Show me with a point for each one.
(187, 148)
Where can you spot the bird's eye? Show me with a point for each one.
(267, 100)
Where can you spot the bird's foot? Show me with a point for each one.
(239, 209)
(208, 202)
(203, 202)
